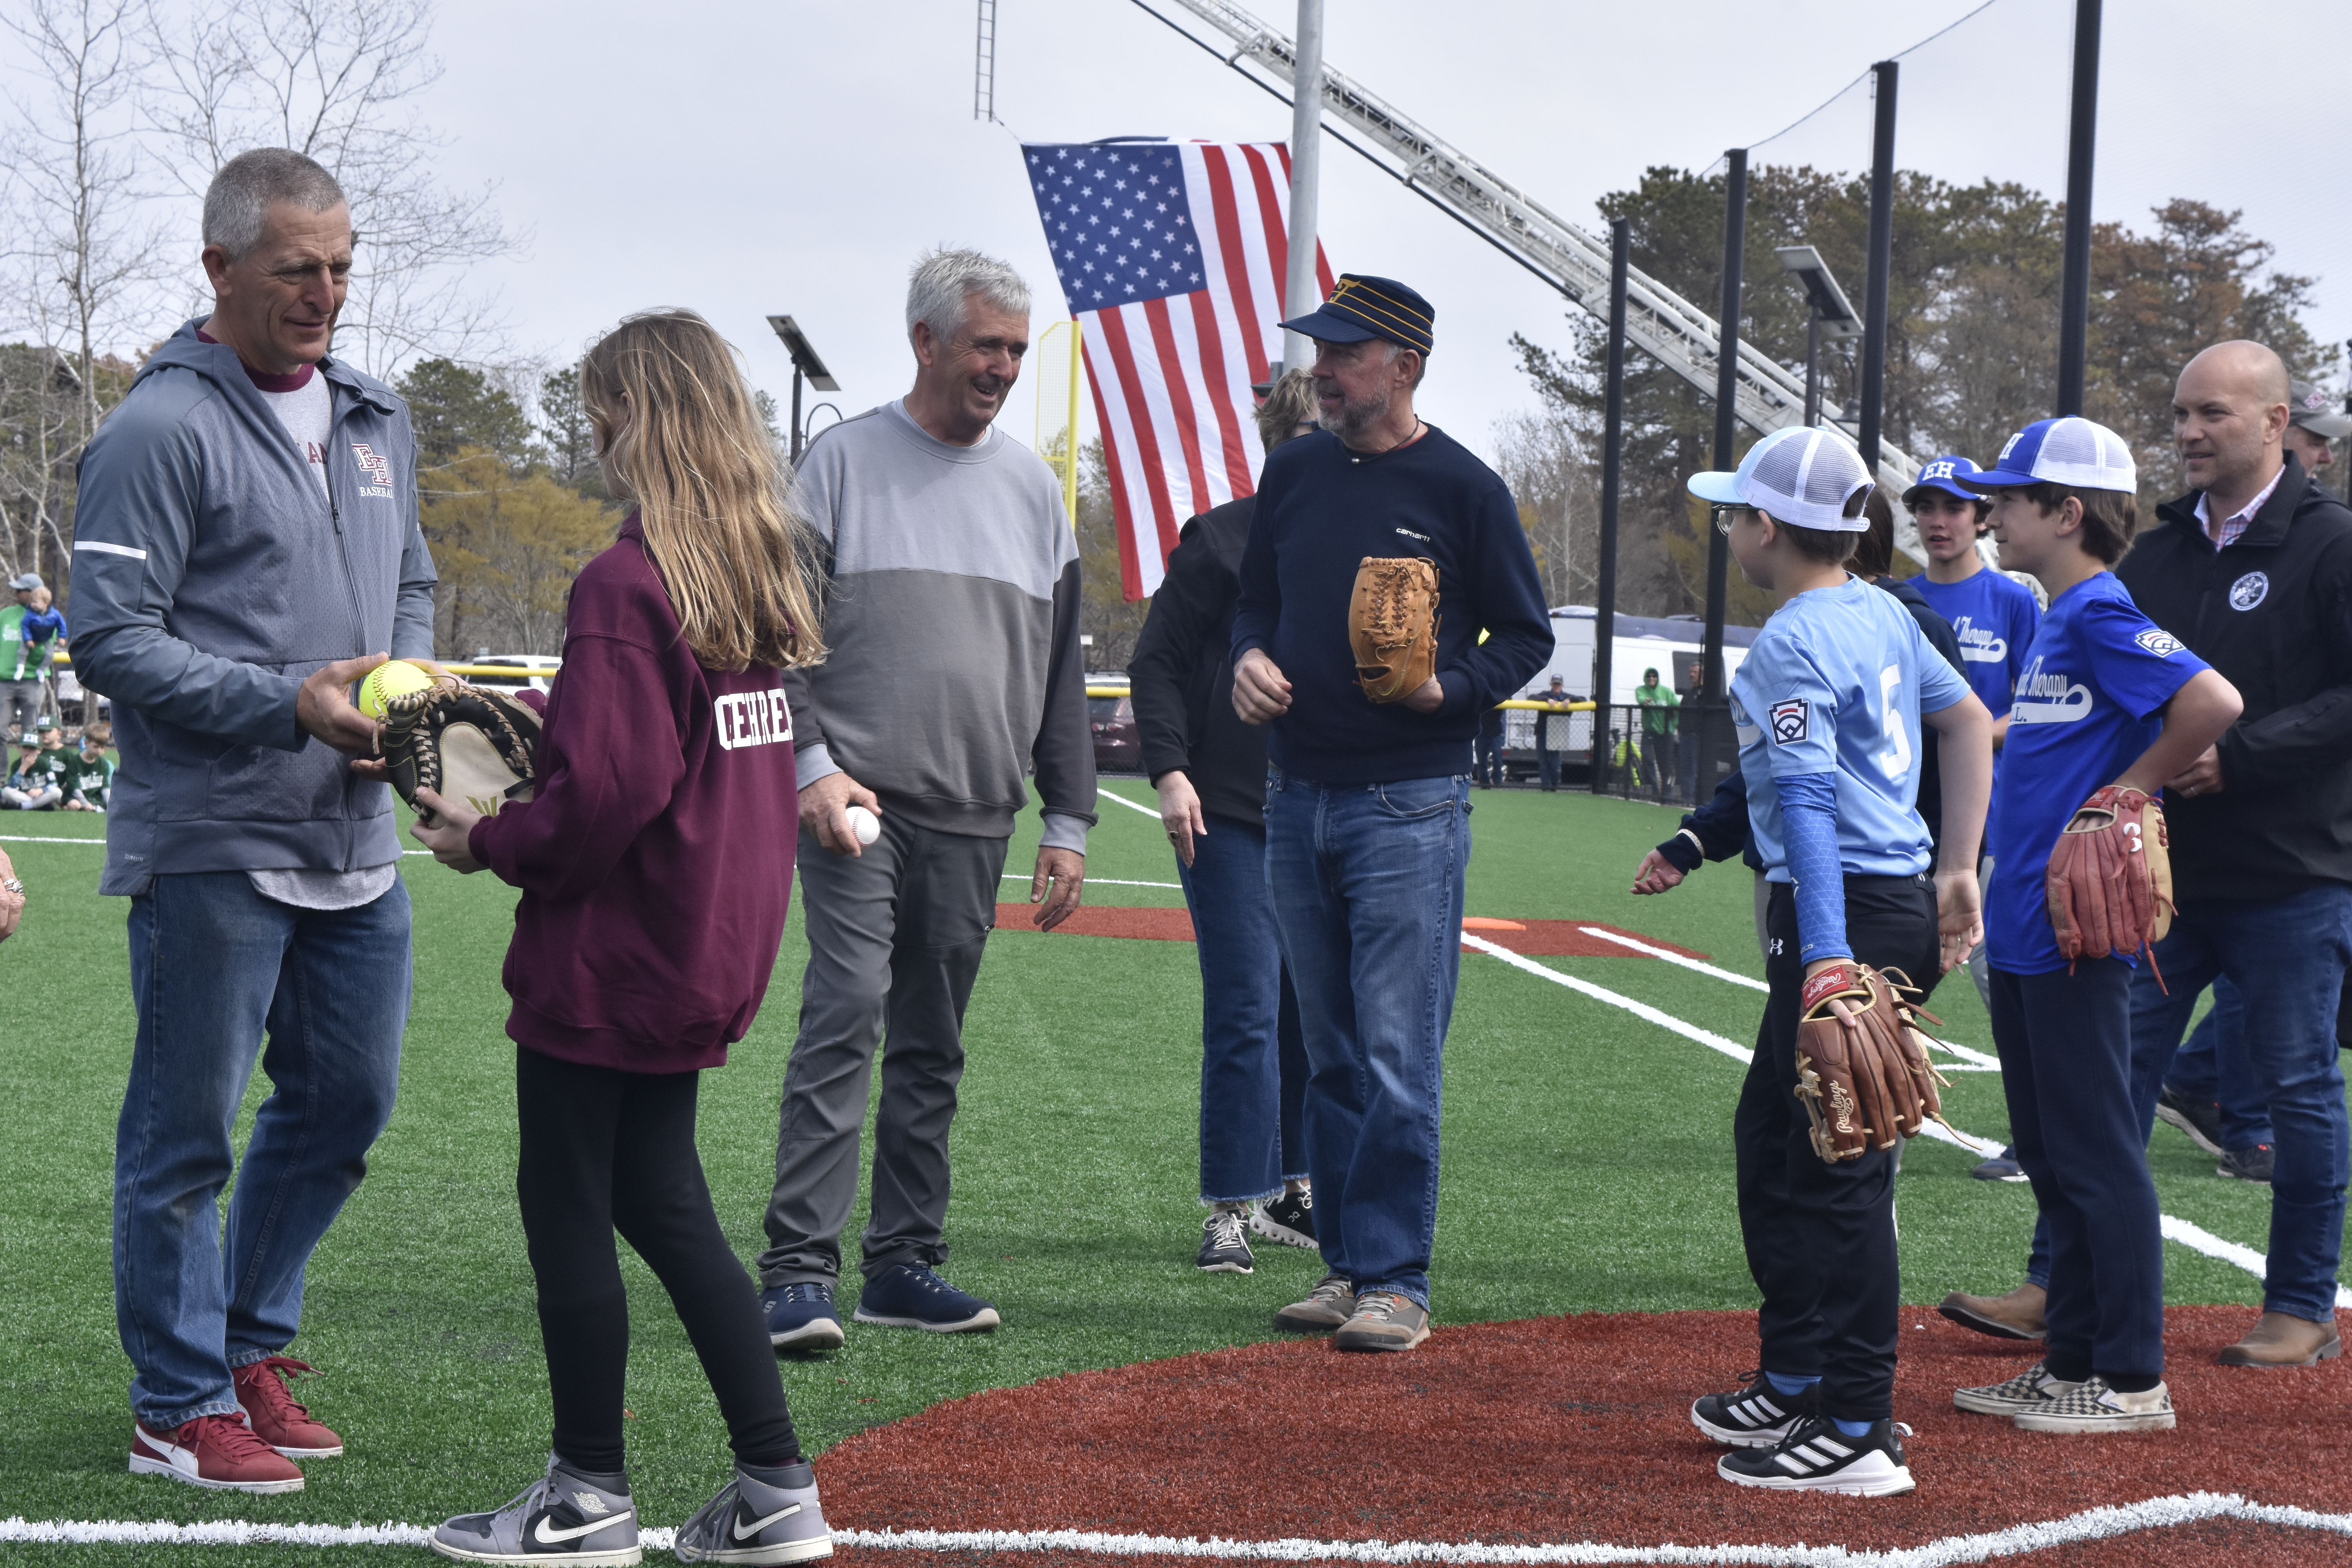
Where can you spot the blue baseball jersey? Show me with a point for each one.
(2086, 707)
(1995, 618)
(1835, 684)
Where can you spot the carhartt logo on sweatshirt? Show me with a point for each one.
(753, 718)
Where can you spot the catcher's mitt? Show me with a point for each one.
(462, 743)
(1862, 1061)
(1392, 625)
(2109, 885)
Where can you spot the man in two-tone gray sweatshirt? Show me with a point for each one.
(952, 614)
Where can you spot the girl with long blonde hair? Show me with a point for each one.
(656, 863)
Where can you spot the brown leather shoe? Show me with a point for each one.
(2281, 1340)
(2016, 1316)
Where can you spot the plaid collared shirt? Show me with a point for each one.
(2237, 522)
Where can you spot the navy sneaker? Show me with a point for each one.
(2002, 1167)
(802, 1317)
(1288, 1219)
(2256, 1164)
(906, 1297)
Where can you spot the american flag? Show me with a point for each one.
(1173, 256)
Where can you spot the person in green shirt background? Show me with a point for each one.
(1659, 725)
(90, 778)
(20, 670)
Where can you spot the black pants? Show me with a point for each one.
(1821, 1237)
(2065, 1044)
(601, 1150)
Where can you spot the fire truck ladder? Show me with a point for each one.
(1659, 322)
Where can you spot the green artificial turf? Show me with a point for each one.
(1587, 1168)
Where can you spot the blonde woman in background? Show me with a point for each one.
(1207, 764)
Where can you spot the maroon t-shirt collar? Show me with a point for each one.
(294, 383)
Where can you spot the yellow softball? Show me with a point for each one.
(394, 677)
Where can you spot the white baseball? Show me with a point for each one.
(865, 824)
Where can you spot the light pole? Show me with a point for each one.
(1300, 293)
(1829, 315)
(804, 363)
(2074, 272)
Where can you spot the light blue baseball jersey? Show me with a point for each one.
(1835, 684)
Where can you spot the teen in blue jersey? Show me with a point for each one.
(1993, 617)
(1829, 707)
(2107, 697)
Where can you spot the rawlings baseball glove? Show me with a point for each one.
(1862, 1061)
(2109, 885)
(1392, 625)
(462, 743)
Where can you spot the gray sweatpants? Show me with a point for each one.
(895, 942)
(23, 701)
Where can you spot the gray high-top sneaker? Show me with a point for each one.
(753, 1520)
(569, 1518)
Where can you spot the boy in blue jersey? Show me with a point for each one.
(1828, 707)
(2107, 697)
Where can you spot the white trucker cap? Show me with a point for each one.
(1801, 475)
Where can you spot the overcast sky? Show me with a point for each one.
(746, 157)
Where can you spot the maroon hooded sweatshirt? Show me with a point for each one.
(655, 857)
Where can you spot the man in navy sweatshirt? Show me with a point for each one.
(1368, 811)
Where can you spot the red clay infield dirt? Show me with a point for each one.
(1562, 1430)
(1539, 939)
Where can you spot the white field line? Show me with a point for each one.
(2193, 1237)
(2091, 1524)
(1151, 811)
(1977, 1061)
(1091, 881)
(45, 838)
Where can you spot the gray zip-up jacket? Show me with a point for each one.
(210, 577)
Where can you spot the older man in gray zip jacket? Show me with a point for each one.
(246, 534)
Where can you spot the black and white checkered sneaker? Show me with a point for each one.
(2093, 1406)
(1818, 1458)
(2032, 1389)
(1755, 1416)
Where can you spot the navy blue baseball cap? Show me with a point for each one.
(1945, 474)
(1361, 308)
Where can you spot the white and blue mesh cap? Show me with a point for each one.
(2073, 451)
(1801, 475)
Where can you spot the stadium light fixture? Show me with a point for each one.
(805, 362)
(1830, 315)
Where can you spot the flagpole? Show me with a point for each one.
(1300, 292)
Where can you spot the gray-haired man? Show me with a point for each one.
(247, 534)
(953, 620)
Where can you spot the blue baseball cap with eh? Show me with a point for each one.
(1945, 474)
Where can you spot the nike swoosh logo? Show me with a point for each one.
(547, 1537)
(745, 1532)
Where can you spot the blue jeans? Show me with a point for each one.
(1367, 888)
(212, 965)
(2212, 1067)
(2287, 957)
(1253, 1064)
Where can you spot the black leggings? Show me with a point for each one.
(603, 1150)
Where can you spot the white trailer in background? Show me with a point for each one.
(1669, 647)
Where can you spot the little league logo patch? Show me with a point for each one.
(2250, 590)
(1789, 721)
(2162, 644)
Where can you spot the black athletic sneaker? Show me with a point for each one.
(1288, 1219)
(2256, 1164)
(1818, 1458)
(1757, 1416)
(1224, 1248)
(2201, 1119)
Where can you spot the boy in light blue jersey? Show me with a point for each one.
(2107, 697)
(1829, 707)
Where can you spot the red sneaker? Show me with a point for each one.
(272, 1413)
(219, 1453)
